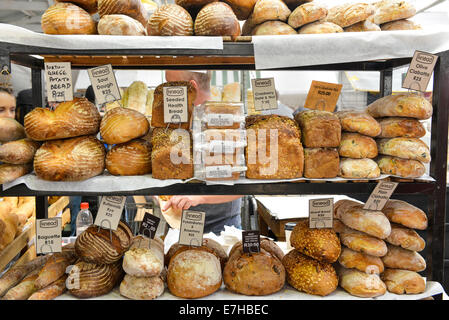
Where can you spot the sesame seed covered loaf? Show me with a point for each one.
(320, 129)
(286, 161)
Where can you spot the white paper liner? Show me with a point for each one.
(283, 51)
(18, 35)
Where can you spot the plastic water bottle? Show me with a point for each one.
(84, 218)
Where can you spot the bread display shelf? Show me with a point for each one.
(287, 293)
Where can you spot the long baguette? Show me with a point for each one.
(24, 289)
(52, 291)
(54, 268)
(14, 275)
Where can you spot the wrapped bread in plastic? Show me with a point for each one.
(404, 168)
(306, 13)
(66, 18)
(120, 25)
(170, 20)
(357, 146)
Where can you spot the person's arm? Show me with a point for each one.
(185, 202)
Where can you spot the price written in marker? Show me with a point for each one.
(175, 104)
(264, 94)
(192, 228)
(380, 195)
(58, 81)
(321, 213)
(104, 84)
(420, 70)
(149, 225)
(251, 241)
(323, 96)
(109, 212)
(48, 235)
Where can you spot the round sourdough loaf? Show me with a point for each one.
(170, 20)
(268, 245)
(144, 259)
(120, 25)
(130, 158)
(67, 18)
(131, 8)
(242, 8)
(217, 19)
(272, 28)
(142, 288)
(194, 273)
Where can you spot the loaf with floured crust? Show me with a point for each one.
(170, 20)
(348, 14)
(359, 122)
(120, 25)
(392, 127)
(321, 163)
(405, 168)
(63, 18)
(306, 13)
(309, 275)
(142, 288)
(409, 105)
(363, 262)
(319, 27)
(405, 148)
(403, 281)
(405, 238)
(357, 146)
(361, 284)
(404, 213)
(390, 10)
(399, 258)
(358, 168)
(319, 128)
(145, 258)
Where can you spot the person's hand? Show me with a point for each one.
(182, 202)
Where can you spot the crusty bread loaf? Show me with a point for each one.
(320, 27)
(405, 238)
(129, 158)
(358, 168)
(26, 208)
(405, 148)
(321, 163)
(363, 262)
(157, 119)
(194, 274)
(266, 10)
(403, 281)
(359, 122)
(75, 118)
(217, 19)
(72, 159)
(392, 127)
(390, 10)
(144, 259)
(399, 258)
(306, 13)
(121, 125)
(404, 213)
(10, 172)
(142, 288)
(52, 291)
(255, 274)
(400, 167)
(309, 275)
(268, 245)
(24, 289)
(357, 146)
(319, 128)
(272, 28)
(54, 268)
(353, 215)
(361, 284)
(409, 105)
(193, 6)
(18, 152)
(9, 224)
(88, 5)
(120, 25)
(402, 24)
(11, 130)
(363, 26)
(241, 8)
(359, 241)
(103, 246)
(66, 18)
(348, 14)
(167, 143)
(286, 160)
(131, 8)
(320, 244)
(170, 20)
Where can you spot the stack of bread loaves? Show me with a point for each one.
(357, 147)
(144, 267)
(321, 136)
(309, 265)
(16, 152)
(70, 151)
(195, 272)
(401, 151)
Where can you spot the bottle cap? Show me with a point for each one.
(84, 205)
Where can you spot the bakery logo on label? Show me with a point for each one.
(264, 94)
(48, 235)
(251, 241)
(192, 228)
(48, 223)
(420, 71)
(104, 84)
(380, 195)
(321, 213)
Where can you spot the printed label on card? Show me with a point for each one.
(109, 212)
(321, 213)
(218, 172)
(226, 147)
(220, 119)
(420, 70)
(58, 81)
(264, 94)
(48, 235)
(175, 104)
(380, 195)
(192, 228)
(251, 241)
(149, 225)
(323, 96)
(104, 84)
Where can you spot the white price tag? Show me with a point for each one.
(264, 94)
(48, 235)
(420, 71)
(220, 119)
(109, 212)
(175, 104)
(104, 84)
(192, 228)
(58, 81)
(218, 172)
(380, 195)
(223, 147)
(321, 213)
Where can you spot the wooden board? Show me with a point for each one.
(14, 248)
(58, 206)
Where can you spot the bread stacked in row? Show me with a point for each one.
(401, 151)
(143, 264)
(309, 265)
(357, 147)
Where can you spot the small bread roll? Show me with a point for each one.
(306, 13)
(360, 261)
(320, 27)
(357, 146)
(361, 284)
(403, 281)
(398, 258)
(405, 238)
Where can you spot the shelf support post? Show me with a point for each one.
(41, 207)
(386, 82)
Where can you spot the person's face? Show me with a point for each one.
(7, 105)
